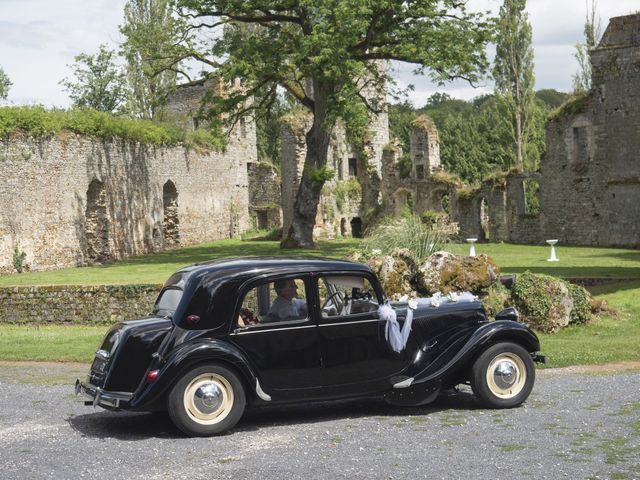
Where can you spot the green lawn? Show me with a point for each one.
(156, 267)
(575, 262)
(57, 343)
(608, 339)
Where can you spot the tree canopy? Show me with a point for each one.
(513, 73)
(324, 53)
(152, 34)
(98, 82)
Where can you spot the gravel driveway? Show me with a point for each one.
(575, 425)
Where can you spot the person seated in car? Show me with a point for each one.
(286, 306)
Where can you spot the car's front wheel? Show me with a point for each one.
(206, 401)
(503, 375)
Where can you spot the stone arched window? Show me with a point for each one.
(97, 223)
(170, 221)
(484, 219)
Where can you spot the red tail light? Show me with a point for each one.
(152, 375)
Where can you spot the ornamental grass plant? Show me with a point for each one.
(408, 232)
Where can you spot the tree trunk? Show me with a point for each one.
(518, 139)
(300, 234)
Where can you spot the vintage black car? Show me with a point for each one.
(260, 331)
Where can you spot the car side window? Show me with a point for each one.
(346, 295)
(279, 300)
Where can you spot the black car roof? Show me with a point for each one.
(235, 266)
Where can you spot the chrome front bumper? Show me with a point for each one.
(103, 398)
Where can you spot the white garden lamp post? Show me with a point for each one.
(472, 248)
(552, 257)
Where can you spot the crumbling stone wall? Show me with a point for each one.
(46, 184)
(590, 188)
(78, 305)
(264, 195)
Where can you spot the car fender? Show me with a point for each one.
(487, 334)
(186, 357)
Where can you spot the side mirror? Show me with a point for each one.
(508, 314)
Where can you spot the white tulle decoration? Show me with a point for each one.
(396, 337)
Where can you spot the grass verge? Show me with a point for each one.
(54, 343)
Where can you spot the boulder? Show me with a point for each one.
(544, 302)
(445, 272)
(396, 273)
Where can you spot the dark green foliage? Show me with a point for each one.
(99, 83)
(18, 259)
(346, 191)
(539, 299)
(514, 78)
(153, 38)
(581, 312)
(474, 139)
(39, 122)
(552, 98)
(495, 298)
(531, 196)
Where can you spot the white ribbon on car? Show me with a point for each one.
(398, 337)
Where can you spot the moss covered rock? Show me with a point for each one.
(445, 272)
(396, 272)
(544, 302)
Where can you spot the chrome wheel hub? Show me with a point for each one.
(208, 398)
(505, 374)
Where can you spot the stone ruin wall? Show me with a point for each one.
(332, 220)
(46, 182)
(264, 196)
(591, 188)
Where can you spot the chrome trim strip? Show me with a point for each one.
(405, 383)
(260, 392)
(262, 330)
(350, 323)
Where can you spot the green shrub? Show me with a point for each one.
(40, 122)
(496, 298)
(18, 259)
(407, 232)
(538, 298)
(581, 312)
(347, 190)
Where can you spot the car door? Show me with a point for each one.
(356, 357)
(284, 352)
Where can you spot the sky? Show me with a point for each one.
(39, 39)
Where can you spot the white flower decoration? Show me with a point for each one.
(413, 304)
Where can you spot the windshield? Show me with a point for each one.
(167, 302)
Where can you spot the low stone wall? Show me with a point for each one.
(79, 305)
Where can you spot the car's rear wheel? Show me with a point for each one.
(503, 375)
(208, 400)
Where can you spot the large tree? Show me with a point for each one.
(324, 53)
(99, 82)
(151, 35)
(513, 72)
(5, 84)
(592, 30)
